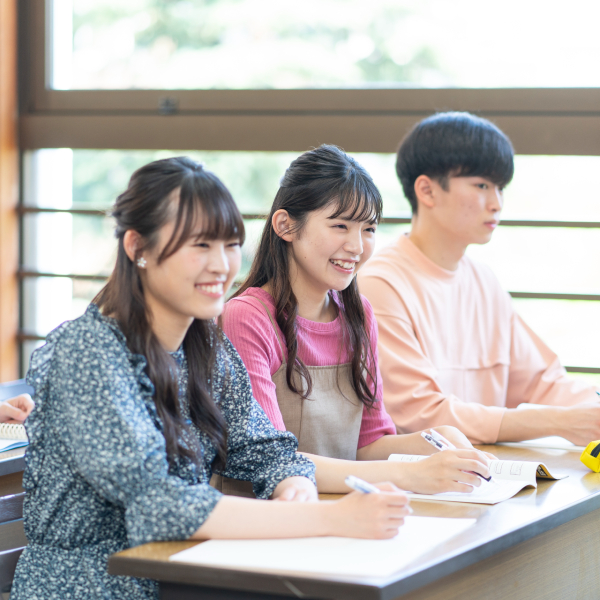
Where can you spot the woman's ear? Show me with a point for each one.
(131, 243)
(282, 225)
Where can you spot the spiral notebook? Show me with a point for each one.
(12, 436)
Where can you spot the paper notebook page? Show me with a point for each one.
(406, 457)
(514, 469)
(329, 555)
(12, 431)
(491, 492)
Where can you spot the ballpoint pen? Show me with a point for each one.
(360, 486)
(366, 488)
(439, 442)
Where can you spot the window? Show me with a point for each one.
(92, 110)
(267, 44)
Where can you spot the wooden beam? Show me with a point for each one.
(9, 192)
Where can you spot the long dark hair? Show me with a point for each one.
(318, 178)
(146, 206)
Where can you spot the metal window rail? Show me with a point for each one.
(25, 273)
(399, 220)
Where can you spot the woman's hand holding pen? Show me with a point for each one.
(449, 471)
(374, 516)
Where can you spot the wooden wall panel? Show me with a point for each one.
(9, 185)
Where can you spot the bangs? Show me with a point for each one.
(467, 146)
(204, 201)
(358, 200)
(497, 166)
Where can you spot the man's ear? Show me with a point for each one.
(131, 244)
(282, 224)
(425, 190)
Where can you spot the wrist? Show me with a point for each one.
(557, 421)
(327, 517)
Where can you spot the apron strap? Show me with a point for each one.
(275, 328)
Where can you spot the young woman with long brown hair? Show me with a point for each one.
(309, 340)
(139, 400)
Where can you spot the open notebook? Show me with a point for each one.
(329, 555)
(508, 478)
(12, 436)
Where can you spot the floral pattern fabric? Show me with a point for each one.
(97, 476)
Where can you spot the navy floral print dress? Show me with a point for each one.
(97, 476)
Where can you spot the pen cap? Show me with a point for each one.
(590, 457)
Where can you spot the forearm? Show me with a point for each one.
(332, 472)
(244, 518)
(518, 425)
(380, 449)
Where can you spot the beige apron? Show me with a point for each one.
(327, 423)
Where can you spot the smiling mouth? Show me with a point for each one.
(213, 288)
(348, 266)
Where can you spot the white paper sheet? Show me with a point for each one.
(491, 492)
(329, 555)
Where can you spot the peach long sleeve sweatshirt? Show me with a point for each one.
(452, 350)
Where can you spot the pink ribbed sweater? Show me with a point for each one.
(247, 325)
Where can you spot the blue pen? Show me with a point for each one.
(360, 486)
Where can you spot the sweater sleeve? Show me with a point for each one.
(94, 410)
(536, 375)
(251, 332)
(375, 421)
(412, 393)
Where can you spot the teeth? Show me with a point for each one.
(212, 289)
(344, 265)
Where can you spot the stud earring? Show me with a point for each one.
(141, 262)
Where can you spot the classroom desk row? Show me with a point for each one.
(542, 543)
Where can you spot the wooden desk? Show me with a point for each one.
(542, 543)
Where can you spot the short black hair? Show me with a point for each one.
(453, 144)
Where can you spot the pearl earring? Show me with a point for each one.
(141, 262)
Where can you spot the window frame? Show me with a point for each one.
(548, 121)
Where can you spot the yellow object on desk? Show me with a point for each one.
(590, 457)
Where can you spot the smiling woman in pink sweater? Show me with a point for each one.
(309, 340)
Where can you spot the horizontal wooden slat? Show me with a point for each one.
(8, 564)
(575, 135)
(391, 101)
(11, 507)
(97, 212)
(12, 535)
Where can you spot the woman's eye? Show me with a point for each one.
(371, 229)
(482, 186)
(341, 226)
(201, 245)
(233, 245)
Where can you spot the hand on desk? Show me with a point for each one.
(580, 423)
(373, 516)
(295, 489)
(17, 409)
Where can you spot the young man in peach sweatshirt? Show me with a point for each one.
(452, 349)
